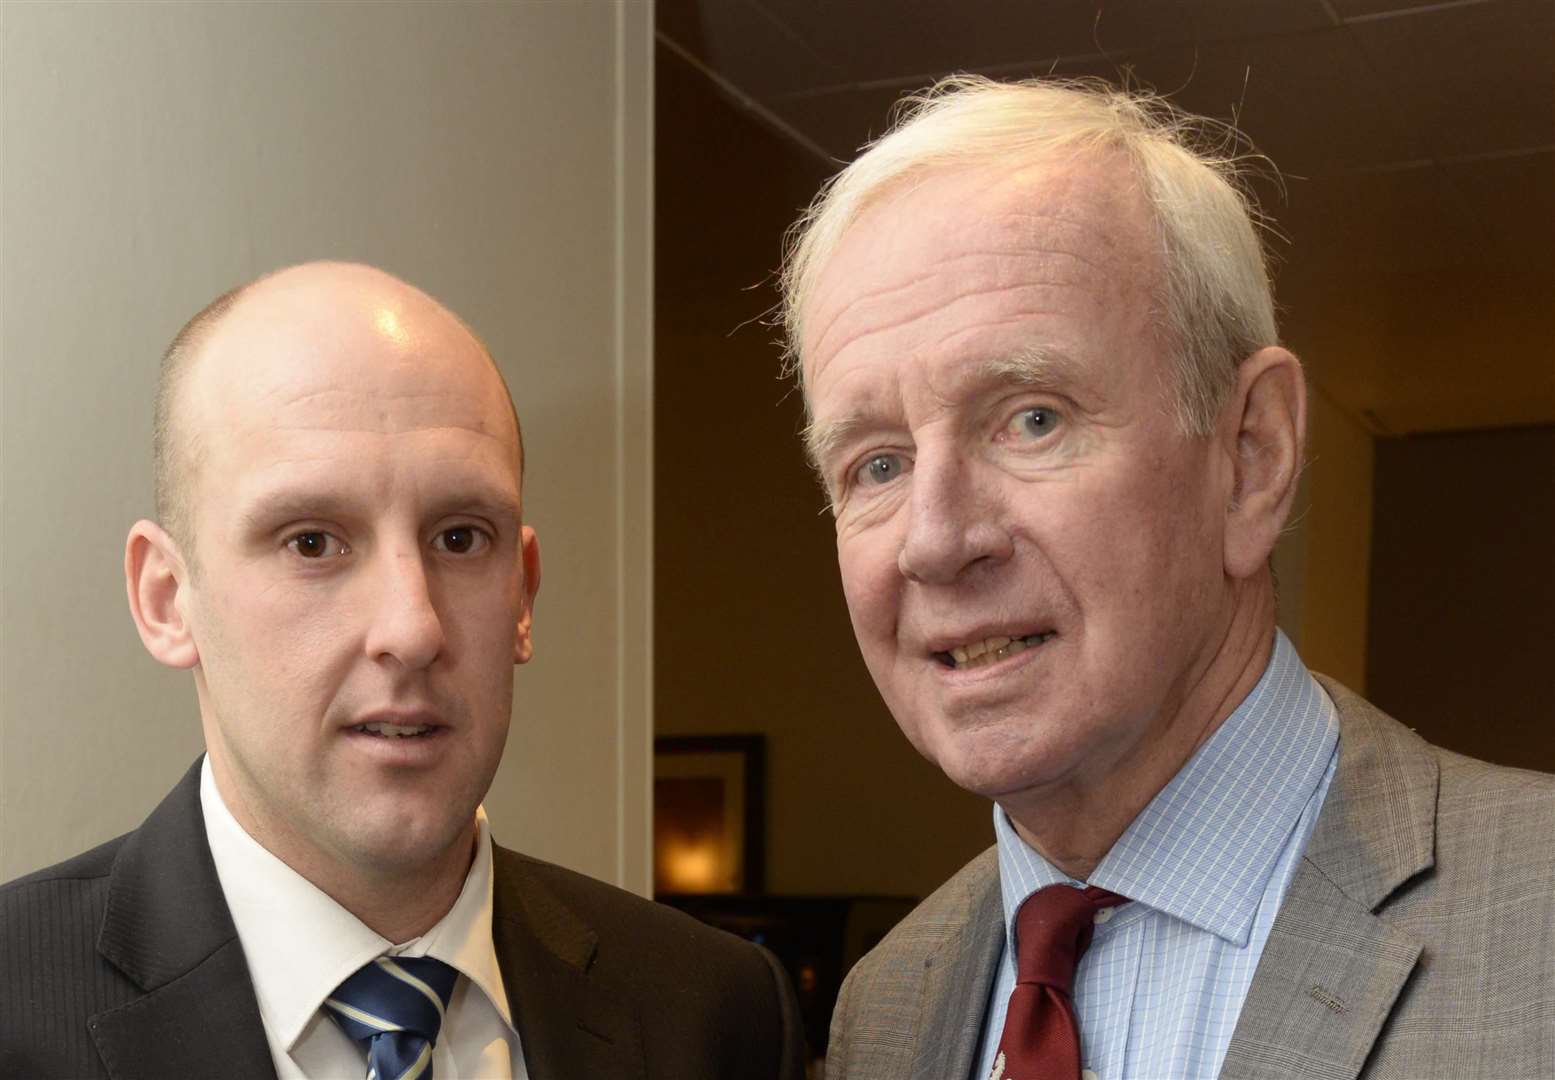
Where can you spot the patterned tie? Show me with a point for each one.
(395, 1005)
(1053, 928)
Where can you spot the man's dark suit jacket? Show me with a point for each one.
(124, 962)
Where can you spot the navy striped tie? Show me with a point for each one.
(395, 1005)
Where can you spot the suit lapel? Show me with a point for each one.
(1332, 969)
(569, 1027)
(957, 978)
(168, 929)
(957, 987)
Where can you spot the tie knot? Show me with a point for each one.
(1052, 931)
(395, 1004)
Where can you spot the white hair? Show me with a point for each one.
(1217, 305)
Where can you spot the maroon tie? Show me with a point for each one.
(1041, 1039)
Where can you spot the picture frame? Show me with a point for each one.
(709, 814)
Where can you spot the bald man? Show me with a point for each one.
(343, 566)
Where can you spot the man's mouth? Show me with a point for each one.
(975, 654)
(394, 731)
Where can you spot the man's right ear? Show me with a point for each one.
(154, 575)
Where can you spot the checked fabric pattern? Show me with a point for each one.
(395, 1006)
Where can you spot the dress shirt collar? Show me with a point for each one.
(1203, 849)
(300, 944)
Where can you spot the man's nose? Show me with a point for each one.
(405, 624)
(954, 521)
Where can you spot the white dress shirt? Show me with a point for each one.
(300, 945)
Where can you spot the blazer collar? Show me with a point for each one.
(569, 1025)
(1332, 969)
(1378, 826)
(167, 928)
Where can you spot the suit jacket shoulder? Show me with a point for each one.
(603, 982)
(1417, 938)
(44, 917)
(913, 1007)
(123, 962)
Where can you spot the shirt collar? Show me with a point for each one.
(1204, 848)
(300, 944)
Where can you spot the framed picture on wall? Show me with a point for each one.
(709, 814)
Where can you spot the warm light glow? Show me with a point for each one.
(690, 866)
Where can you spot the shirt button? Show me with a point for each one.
(1087, 1074)
(1102, 916)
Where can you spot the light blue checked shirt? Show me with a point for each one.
(1206, 865)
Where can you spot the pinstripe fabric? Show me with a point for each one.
(50, 919)
(1206, 863)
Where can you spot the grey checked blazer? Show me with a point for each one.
(1417, 939)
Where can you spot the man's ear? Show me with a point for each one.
(1265, 429)
(529, 551)
(154, 576)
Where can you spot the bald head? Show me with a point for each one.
(276, 331)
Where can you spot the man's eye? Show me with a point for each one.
(316, 545)
(1033, 423)
(881, 469)
(461, 540)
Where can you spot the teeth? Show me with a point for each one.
(394, 731)
(991, 650)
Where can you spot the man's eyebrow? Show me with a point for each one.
(822, 439)
(1036, 366)
(487, 503)
(274, 508)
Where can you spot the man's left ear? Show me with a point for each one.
(1264, 429)
(529, 552)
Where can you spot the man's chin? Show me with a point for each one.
(411, 849)
(992, 767)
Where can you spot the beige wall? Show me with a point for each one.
(154, 154)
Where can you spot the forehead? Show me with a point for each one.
(354, 354)
(961, 271)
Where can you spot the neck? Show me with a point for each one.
(398, 904)
(1076, 822)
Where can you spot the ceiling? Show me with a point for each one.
(1415, 143)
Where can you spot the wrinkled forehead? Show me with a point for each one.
(1079, 224)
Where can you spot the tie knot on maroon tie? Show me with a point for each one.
(1053, 929)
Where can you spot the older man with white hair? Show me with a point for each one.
(1060, 438)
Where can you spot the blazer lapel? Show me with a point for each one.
(569, 1027)
(168, 929)
(957, 979)
(1332, 969)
